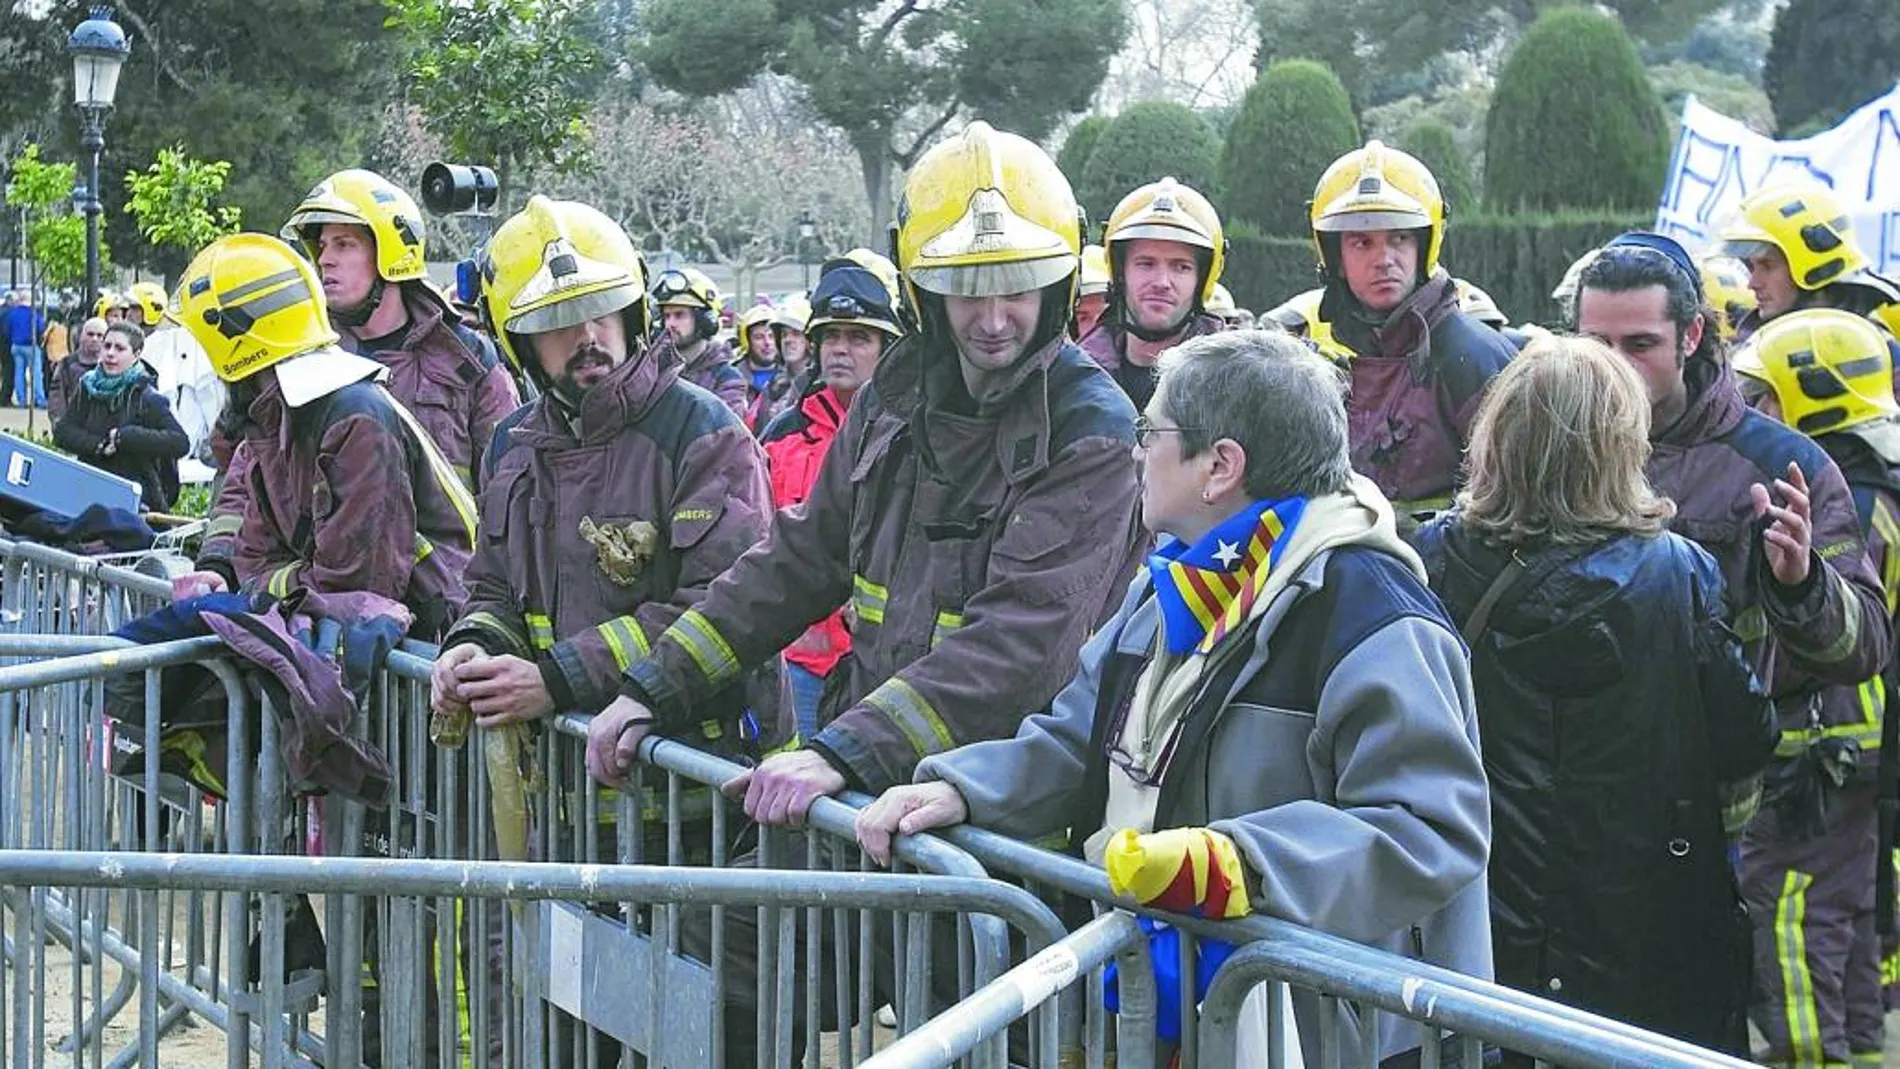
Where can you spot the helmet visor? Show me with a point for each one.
(993, 280)
(1340, 221)
(1158, 231)
(572, 311)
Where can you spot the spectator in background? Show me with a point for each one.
(1617, 709)
(25, 325)
(851, 323)
(119, 423)
(65, 375)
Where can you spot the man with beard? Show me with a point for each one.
(689, 310)
(1418, 364)
(610, 503)
(365, 236)
(976, 510)
(1165, 253)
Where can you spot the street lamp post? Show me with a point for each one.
(807, 229)
(99, 49)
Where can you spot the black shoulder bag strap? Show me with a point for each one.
(1516, 580)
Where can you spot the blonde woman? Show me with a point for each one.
(1617, 711)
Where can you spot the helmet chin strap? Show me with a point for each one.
(360, 314)
(1119, 301)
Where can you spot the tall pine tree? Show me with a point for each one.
(1828, 57)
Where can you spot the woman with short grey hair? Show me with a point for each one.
(1279, 698)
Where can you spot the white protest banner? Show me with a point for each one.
(1718, 161)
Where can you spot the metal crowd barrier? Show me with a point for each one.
(460, 978)
(145, 875)
(1345, 990)
(455, 979)
(52, 592)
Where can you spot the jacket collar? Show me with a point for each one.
(1108, 342)
(823, 409)
(714, 354)
(620, 399)
(1715, 405)
(430, 331)
(1019, 414)
(1407, 331)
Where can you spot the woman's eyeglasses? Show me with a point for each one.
(1145, 430)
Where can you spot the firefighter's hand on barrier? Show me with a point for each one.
(196, 584)
(445, 691)
(1181, 870)
(614, 737)
(907, 810)
(503, 690)
(782, 789)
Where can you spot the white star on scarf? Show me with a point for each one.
(1228, 553)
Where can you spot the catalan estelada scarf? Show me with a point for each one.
(1207, 589)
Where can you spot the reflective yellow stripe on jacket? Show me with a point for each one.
(913, 715)
(868, 600)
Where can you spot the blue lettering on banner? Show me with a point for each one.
(1792, 169)
(1889, 259)
(1885, 128)
(1708, 164)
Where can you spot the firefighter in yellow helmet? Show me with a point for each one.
(1798, 244)
(353, 495)
(1165, 254)
(612, 500)
(1725, 285)
(367, 239)
(1419, 363)
(1091, 295)
(1222, 307)
(145, 304)
(689, 307)
(766, 383)
(794, 347)
(1829, 374)
(983, 526)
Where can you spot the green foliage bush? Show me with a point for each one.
(1074, 157)
(1295, 120)
(1147, 142)
(1828, 57)
(1436, 146)
(1575, 123)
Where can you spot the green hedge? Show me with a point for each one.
(1518, 260)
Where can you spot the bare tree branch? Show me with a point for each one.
(165, 67)
(922, 140)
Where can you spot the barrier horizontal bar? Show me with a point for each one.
(993, 1008)
(47, 556)
(89, 665)
(1003, 854)
(416, 878)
